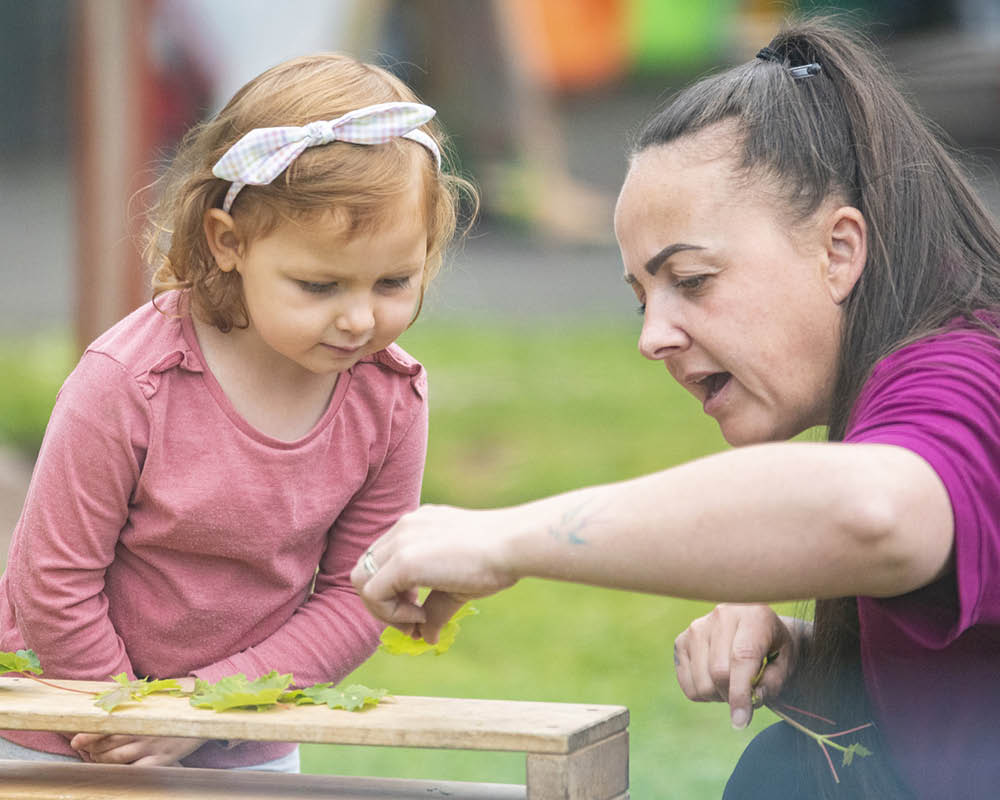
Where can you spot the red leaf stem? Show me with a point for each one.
(849, 730)
(807, 713)
(56, 685)
(829, 761)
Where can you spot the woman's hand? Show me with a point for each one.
(719, 657)
(458, 553)
(146, 751)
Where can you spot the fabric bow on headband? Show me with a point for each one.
(263, 154)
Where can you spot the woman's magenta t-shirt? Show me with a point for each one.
(931, 658)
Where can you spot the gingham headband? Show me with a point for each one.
(263, 154)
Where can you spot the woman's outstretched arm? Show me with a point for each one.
(762, 523)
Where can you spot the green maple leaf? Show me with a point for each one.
(128, 690)
(397, 643)
(235, 691)
(112, 698)
(21, 661)
(355, 697)
(855, 749)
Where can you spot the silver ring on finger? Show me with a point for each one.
(368, 563)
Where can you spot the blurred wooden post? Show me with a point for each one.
(113, 142)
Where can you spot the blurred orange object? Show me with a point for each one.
(570, 44)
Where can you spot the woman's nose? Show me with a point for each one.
(662, 334)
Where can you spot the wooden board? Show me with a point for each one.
(20, 780)
(405, 721)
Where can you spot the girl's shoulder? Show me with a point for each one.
(150, 340)
(394, 364)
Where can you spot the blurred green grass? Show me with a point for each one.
(519, 411)
(32, 369)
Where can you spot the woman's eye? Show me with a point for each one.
(641, 310)
(692, 284)
(316, 288)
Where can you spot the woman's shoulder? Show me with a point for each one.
(957, 347)
(950, 374)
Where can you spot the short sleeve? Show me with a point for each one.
(940, 398)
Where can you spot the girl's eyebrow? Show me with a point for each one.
(315, 272)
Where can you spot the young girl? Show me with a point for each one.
(218, 460)
(805, 252)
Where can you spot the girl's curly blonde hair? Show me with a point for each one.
(359, 182)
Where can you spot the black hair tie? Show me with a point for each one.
(797, 71)
(768, 54)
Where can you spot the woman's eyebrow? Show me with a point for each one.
(653, 265)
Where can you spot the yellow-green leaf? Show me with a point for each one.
(355, 697)
(132, 690)
(20, 661)
(397, 643)
(235, 691)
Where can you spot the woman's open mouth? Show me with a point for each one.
(714, 384)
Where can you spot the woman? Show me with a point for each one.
(805, 253)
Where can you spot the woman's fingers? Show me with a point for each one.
(439, 608)
(453, 551)
(720, 655)
(750, 646)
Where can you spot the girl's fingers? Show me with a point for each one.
(98, 742)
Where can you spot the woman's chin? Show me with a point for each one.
(740, 433)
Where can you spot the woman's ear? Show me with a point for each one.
(847, 251)
(223, 240)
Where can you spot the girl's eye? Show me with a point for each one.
(641, 310)
(316, 288)
(396, 283)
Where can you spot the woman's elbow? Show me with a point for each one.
(902, 529)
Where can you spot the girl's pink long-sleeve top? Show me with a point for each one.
(163, 536)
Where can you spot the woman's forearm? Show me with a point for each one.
(763, 523)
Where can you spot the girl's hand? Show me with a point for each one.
(719, 657)
(146, 751)
(457, 553)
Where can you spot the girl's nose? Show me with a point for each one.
(356, 317)
(662, 335)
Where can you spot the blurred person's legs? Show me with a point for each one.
(500, 112)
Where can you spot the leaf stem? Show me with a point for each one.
(820, 739)
(56, 685)
(850, 730)
(808, 714)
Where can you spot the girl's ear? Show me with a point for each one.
(847, 251)
(225, 244)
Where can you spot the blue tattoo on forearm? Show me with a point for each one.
(570, 525)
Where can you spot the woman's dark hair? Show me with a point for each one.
(847, 132)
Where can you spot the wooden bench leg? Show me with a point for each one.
(596, 772)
